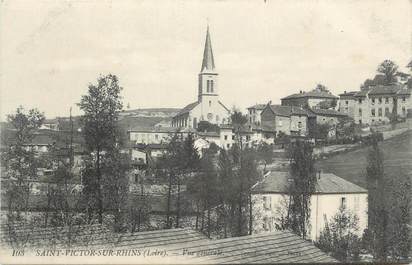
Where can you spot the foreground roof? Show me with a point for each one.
(328, 183)
(269, 247)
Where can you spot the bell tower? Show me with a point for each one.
(208, 84)
(208, 77)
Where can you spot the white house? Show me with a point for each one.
(208, 106)
(332, 192)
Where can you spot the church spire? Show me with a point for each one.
(208, 63)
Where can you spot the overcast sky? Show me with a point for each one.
(51, 50)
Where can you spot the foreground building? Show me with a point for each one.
(208, 106)
(332, 192)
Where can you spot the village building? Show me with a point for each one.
(313, 99)
(254, 113)
(157, 135)
(289, 120)
(332, 192)
(377, 104)
(208, 107)
(328, 116)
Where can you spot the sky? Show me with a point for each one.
(50, 51)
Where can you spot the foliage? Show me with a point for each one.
(265, 153)
(20, 163)
(205, 126)
(100, 106)
(322, 88)
(377, 214)
(320, 131)
(339, 237)
(389, 69)
(302, 172)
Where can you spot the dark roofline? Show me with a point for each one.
(313, 193)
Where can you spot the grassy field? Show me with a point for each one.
(352, 165)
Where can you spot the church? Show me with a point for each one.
(207, 107)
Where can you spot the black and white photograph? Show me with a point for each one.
(205, 132)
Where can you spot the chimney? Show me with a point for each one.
(344, 92)
(300, 91)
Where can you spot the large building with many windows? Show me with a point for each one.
(377, 104)
(208, 106)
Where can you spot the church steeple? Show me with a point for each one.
(208, 63)
(208, 77)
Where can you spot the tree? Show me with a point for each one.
(399, 217)
(339, 237)
(377, 210)
(20, 163)
(302, 171)
(100, 106)
(389, 69)
(322, 88)
(265, 153)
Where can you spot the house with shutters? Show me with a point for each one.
(290, 120)
(270, 197)
(376, 104)
(207, 107)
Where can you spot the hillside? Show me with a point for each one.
(352, 165)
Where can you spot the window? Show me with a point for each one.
(386, 111)
(380, 112)
(386, 100)
(373, 101)
(233, 137)
(225, 137)
(156, 137)
(343, 202)
(380, 100)
(373, 112)
(207, 86)
(228, 145)
(403, 99)
(211, 86)
(403, 111)
(360, 101)
(299, 124)
(360, 112)
(346, 102)
(360, 121)
(247, 137)
(267, 203)
(210, 103)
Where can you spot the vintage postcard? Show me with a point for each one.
(205, 132)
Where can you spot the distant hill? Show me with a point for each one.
(352, 165)
(151, 112)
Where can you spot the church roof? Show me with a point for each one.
(188, 108)
(208, 63)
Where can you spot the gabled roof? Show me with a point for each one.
(311, 94)
(362, 93)
(288, 111)
(258, 106)
(263, 248)
(328, 183)
(208, 63)
(327, 112)
(348, 94)
(188, 108)
(384, 90)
